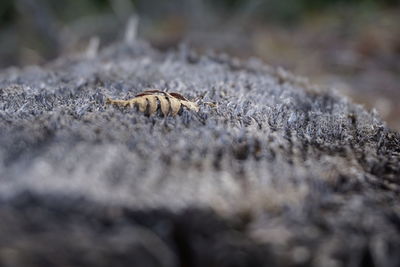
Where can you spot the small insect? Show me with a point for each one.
(149, 101)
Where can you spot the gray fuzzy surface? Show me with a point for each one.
(281, 173)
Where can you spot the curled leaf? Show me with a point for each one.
(149, 101)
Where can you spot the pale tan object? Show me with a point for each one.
(170, 103)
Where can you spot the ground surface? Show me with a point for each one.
(281, 173)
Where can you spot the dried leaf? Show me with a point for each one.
(164, 104)
(152, 104)
(150, 100)
(175, 105)
(141, 102)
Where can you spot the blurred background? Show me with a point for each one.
(351, 45)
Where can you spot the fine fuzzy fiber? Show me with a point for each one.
(279, 172)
